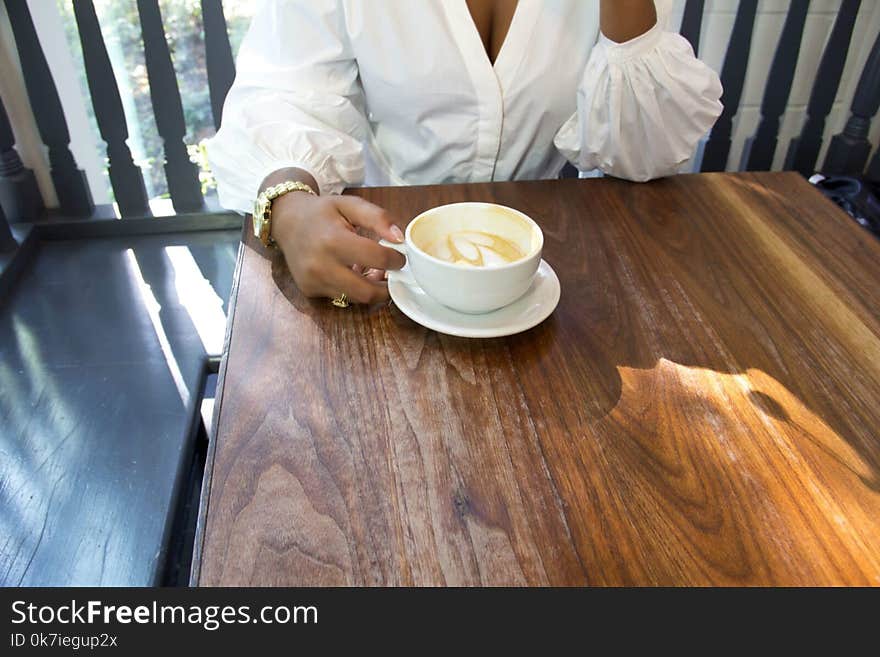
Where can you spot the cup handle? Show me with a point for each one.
(400, 248)
(403, 275)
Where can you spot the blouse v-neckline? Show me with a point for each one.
(471, 44)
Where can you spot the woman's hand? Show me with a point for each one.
(325, 255)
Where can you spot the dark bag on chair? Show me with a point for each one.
(859, 197)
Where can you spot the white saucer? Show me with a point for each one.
(529, 310)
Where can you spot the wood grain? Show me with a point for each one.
(701, 408)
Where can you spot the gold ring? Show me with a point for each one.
(341, 301)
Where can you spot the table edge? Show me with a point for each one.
(205, 493)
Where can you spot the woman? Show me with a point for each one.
(337, 93)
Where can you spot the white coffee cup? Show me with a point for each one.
(466, 288)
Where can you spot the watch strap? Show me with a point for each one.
(264, 201)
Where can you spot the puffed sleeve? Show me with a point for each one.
(296, 102)
(642, 105)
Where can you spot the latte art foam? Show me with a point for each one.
(475, 249)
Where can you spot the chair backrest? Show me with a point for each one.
(733, 77)
(692, 23)
(848, 152)
(126, 178)
(803, 152)
(19, 195)
(70, 183)
(760, 148)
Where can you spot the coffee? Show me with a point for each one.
(475, 248)
(475, 235)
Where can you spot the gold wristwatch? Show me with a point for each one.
(263, 207)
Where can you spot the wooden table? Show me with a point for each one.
(703, 407)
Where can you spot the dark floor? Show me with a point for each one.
(102, 351)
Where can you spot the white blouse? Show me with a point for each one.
(403, 92)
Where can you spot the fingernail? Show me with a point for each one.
(398, 234)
